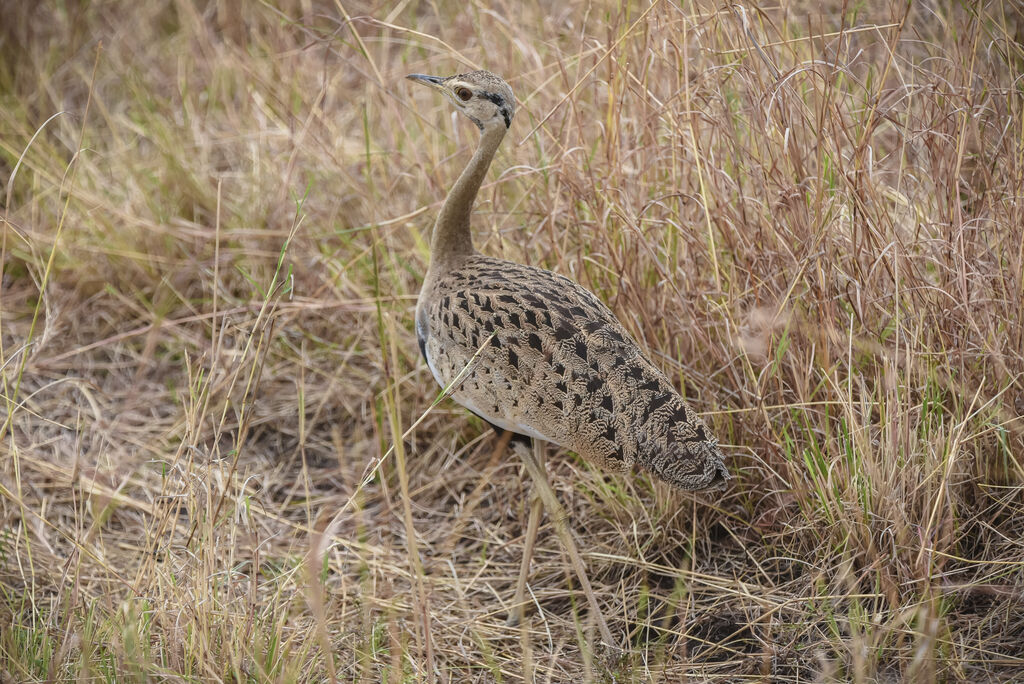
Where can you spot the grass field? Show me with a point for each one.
(220, 458)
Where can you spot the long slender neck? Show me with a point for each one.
(452, 236)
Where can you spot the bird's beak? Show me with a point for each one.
(435, 82)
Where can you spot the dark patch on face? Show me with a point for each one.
(499, 102)
(497, 99)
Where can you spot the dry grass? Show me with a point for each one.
(213, 235)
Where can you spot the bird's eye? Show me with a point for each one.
(464, 93)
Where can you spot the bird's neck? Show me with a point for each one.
(452, 238)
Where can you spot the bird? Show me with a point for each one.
(534, 353)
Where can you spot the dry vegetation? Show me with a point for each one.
(214, 231)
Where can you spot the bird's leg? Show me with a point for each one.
(515, 616)
(539, 474)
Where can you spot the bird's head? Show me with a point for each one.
(482, 96)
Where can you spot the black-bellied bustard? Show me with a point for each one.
(534, 353)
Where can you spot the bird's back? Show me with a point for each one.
(541, 356)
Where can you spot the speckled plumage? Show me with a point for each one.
(552, 362)
(538, 354)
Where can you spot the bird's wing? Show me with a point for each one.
(533, 352)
